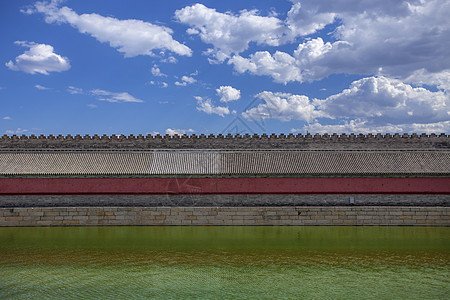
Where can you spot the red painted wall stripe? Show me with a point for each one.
(275, 185)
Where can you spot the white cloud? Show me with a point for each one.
(363, 127)
(230, 33)
(17, 131)
(309, 16)
(74, 90)
(348, 127)
(384, 100)
(439, 127)
(157, 72)
(161, 84)
(206, 106)
(113, 97)
(303, 20)
(393, 38)
(171, 131)
(370, 105)
(284, 107)
(130, 37)
(40, 58)
(7, 118)
(439, 79)
(281, 66)
(185, 80)
(41, 87)
(228, 93)
(92, 106)
(170, 60)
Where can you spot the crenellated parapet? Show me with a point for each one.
(229, 141)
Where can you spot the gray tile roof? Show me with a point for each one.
(223, 162)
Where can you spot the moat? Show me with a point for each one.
(225, 262)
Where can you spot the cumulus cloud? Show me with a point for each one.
(304, 18)
(369, 105)
(385, 100)
(157, 72)
(39, 58)
(7, 118)
(113, 97)
(206, 106)
(439, 79)
(185, 80)
(281, 66)
(41, 87)
(130, 37)
(284, 107)
(228, 93)
(391, 38)
(394, 39)
(171, 131)
(230, 33)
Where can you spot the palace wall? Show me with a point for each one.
(264, 141)
(379, 200)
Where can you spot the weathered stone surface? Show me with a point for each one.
(287, 215)
(235, 200)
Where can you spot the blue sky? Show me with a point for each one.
(147, 67)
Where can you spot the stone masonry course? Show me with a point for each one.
(292, 215)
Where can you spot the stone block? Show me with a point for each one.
(14, 218)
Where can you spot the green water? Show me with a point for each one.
(225, 263)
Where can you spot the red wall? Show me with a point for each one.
(274, 185)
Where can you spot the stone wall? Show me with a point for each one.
(290, 215)
(225, 200)
(264, 141)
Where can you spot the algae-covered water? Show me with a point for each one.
(225, 263)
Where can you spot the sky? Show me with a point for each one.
(211, 67)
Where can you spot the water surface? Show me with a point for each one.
(225, 262)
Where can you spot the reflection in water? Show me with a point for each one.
(225, 262)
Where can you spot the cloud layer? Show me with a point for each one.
(39, 58)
